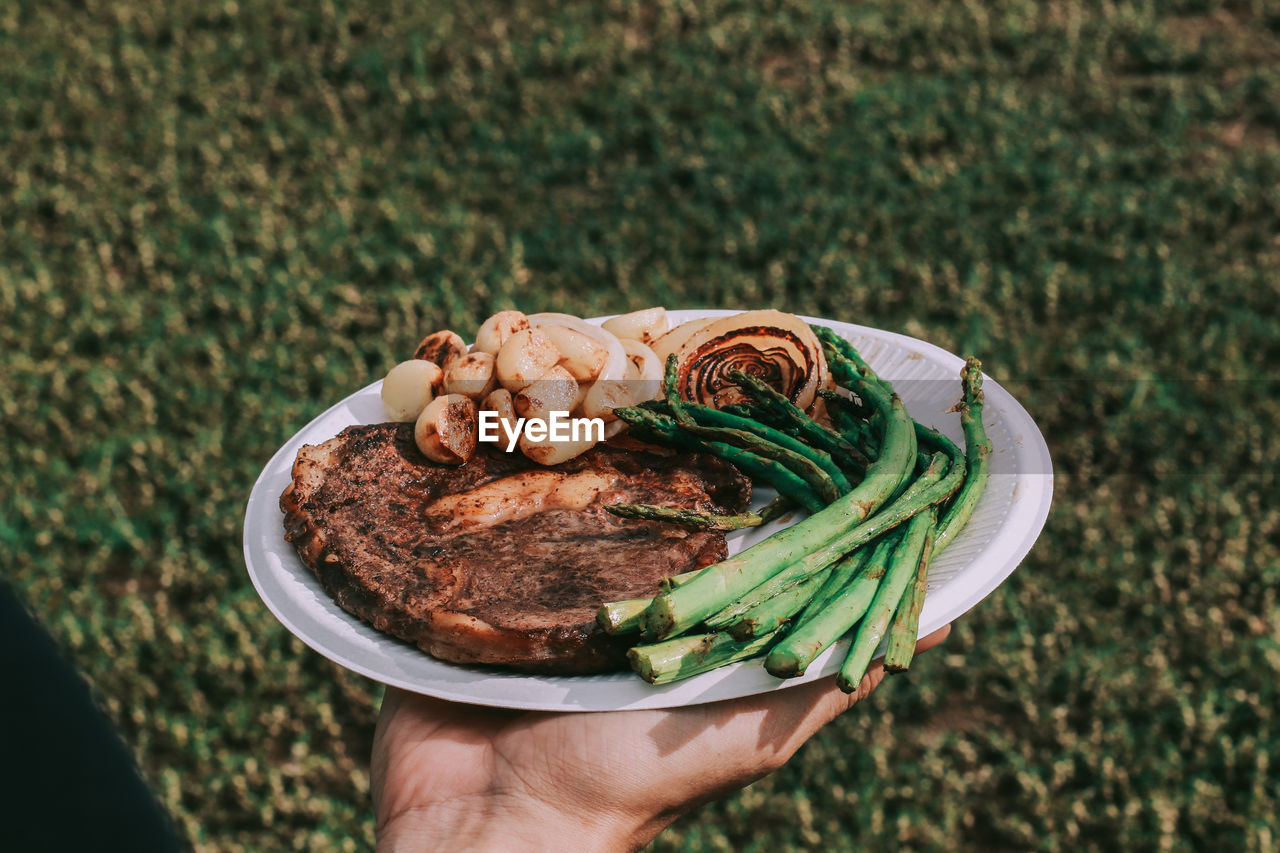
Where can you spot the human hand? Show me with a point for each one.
(461, 777)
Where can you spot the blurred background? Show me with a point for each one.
(216, 219)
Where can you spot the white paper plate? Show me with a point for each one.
(1007, 521)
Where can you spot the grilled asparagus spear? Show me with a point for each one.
(977, 452)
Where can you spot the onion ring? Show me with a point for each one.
(776, 347)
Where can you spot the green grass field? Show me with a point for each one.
(218, 218)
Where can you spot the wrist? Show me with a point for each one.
(505, 824)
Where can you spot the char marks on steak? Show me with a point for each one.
(498, 561)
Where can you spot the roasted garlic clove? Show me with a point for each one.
(526, 356)
(445, 432)
(606, 395)
(502, 403)
(408, 388)
(644, 326)
(555, 391)
(472, 375)
(441, 347)
(545, 451)
(581, 354)
(495, 331)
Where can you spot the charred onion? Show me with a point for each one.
(777, 348)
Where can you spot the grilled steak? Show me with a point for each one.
(498, 561)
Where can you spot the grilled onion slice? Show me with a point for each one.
(776, 347)
(676, 338)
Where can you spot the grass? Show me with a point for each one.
(217, 218)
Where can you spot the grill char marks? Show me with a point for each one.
(508, 589)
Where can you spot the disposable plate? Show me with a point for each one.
(1006, 523)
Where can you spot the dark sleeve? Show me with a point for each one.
(67, 780)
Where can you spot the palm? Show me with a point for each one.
(653, 763)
